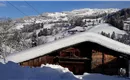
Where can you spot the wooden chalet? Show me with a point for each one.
(85, 52)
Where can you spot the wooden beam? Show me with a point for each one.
(103, 57)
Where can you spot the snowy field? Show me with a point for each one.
(107, 28)
(12, 71)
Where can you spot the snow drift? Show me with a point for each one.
(12, 71)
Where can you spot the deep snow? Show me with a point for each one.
(12, 71)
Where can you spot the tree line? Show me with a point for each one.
(116, 19)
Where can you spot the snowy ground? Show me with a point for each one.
(107, 28)
(88, 76)
(12, 71)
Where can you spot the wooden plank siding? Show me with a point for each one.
(82, 60)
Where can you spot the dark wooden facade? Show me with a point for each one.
(84, 57)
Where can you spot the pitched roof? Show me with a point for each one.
(68, 41)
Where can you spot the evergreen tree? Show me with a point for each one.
(113, 35)
(45, 32)
(34, 39)
(40, 33)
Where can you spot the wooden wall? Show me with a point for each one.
(104, 63)
(38, 61)
(94, 62)
(78, 67)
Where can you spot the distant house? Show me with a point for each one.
(126, 25)
(76, 29)
(119, 36)
(85, 52)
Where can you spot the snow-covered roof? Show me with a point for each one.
(48, 26)
(78, 28)
(68, 41)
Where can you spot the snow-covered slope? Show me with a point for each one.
(78, 29)
(107, 28)
(63, 16)
(90, 12)
(56, 14)
(75, 39)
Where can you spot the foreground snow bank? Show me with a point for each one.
(88, 76)
(57, 67)
(12, 71)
